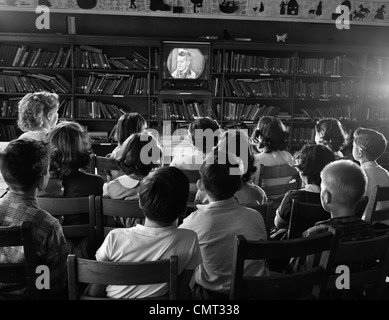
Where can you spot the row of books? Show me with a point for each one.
(16, 82)
(329, 90)
(9, 108)
(378, 66)
(338, 66)
(97, 110)
(247, 112)
(179, 111)
(25, 56)
(112, 84)
(375, 113)
(269, 88)
(377, 90)
(9, 131)
(239, 62)
(302, 135)
(347, 111)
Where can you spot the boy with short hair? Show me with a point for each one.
(368, 146)
(217, 224)
(24, 165)
(162, 197)
(343, 184)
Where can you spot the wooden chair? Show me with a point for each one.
(116, 273)
(368, 263)
(105, 211)
(304, 215)
(61, 207)
(305, 284)
(102, 166)
(265, 211)
(360, 209)
(277, 192)
(22, 273)
(377, 194)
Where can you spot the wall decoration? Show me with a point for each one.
(380, 13)
(293, 8)
(196, 4)
(282, 8)
(132, 5)
(44, 3)
(282, 37)
(87, 4)
(261, 7)
(228, 6)
(319, 9)
(159, 5)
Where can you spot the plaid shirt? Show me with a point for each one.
(350, 228)
(47, 233)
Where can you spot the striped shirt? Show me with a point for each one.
(47, 233)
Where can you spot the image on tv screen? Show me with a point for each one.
(185, 63)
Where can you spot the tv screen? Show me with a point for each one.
(186, 62)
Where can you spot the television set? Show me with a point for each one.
(186, 65)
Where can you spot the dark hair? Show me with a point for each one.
(163, 194)
(240, 139)
(128, 124)
(23, 162)
(371, 141)
(216, 176)
(71, 148)
(273, 134)
(33, 107)
(311, 160)
(204, 124)
(131, 161)
(332, 133)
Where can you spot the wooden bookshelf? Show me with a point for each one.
(100, 77)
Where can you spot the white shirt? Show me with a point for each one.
(216, 225)
(141, 243)
(39, 135)
(376, 175)
(192, 159)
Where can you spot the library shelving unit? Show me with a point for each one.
(99, 77)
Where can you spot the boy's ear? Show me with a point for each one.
(326, 195)
(200, 185)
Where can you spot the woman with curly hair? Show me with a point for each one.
(271, 139)
(37, 114)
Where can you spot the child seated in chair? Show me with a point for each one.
(238, 142)
(343, 184)
(368, 146)
(309, 162)
(24, 165)
(162, 197)
(217, 224)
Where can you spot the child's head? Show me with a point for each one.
(368, 144)
(330, 133)
(217, 176)
(141, 154)
(270, 134)
(311, 160)
(24, 165)
(128, 124)
(71, 148)
(204, 134)
(37, 110)
(163, 195)
(238, 142)
(343, 184)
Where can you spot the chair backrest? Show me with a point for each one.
(277, 192)
(305, 284)
(265, 211)
(60, 207)
(105, 208)
(22, 273)
(102, 165)
(120, 273)
(368, 264)
(377, 194)
(304, 215)
(361, 206)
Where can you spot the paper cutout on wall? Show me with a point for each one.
(86, 4)
(228, 6)
(159, 5)
(380, 13)
(132, 4)
(293, 8)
